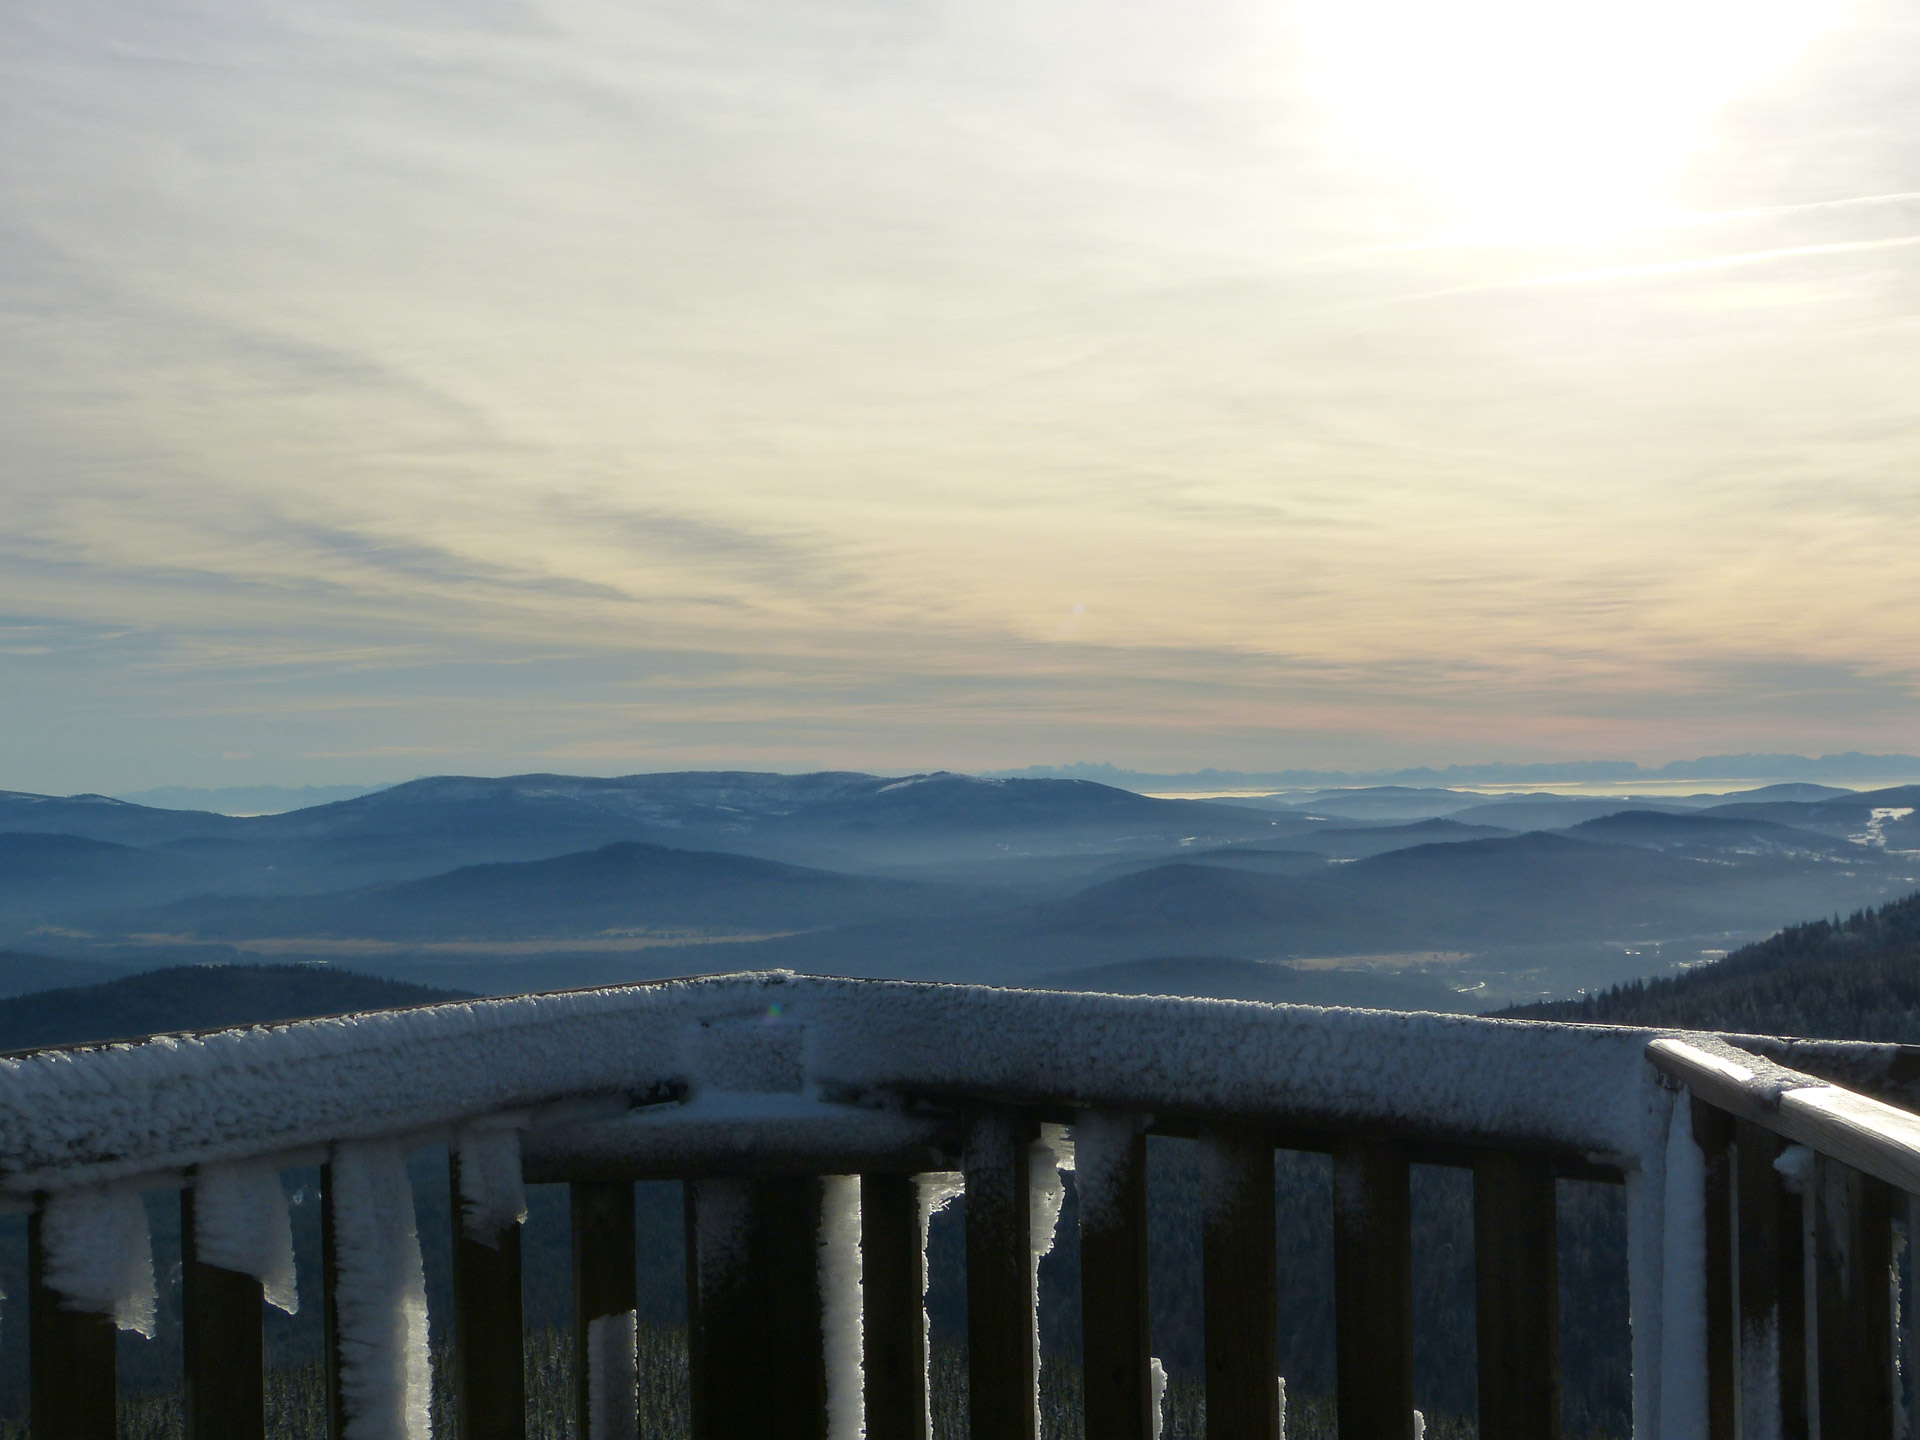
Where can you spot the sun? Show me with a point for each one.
(1543, 121)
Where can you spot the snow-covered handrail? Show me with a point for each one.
(754, 1087)
(1867, 1134)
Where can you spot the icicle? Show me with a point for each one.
(99, 1255)
(240, 1223)
(1419, 1426)
(1683, 1282)
(381, 1296)
(840, 1305)
(1157, 1376)
(1283, 1408)
(493, 1197)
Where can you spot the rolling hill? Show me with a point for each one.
(627, 886)
(198, 997)
(1852, 979)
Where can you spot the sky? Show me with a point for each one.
(408, 387)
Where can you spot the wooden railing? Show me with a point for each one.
(803, 1117)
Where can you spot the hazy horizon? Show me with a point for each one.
(552, 385)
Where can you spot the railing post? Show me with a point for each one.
(1853, 1256)
(489, 1358)
(1373, 1290)
(605, 1296)
(893, 1299)
(330, 1304)
(71, 1365)
(1002, 1398)
(1240, 1279)
(222, 1348)
(1110, 1178)
(1773, 1297)
(1713, 1133)
(758, 1352)
(1516, 1250)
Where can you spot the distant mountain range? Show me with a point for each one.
(1849, 766)
(539, 881)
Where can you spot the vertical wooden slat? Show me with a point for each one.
(1111, 1181)
(1853, 1253)
(1773, 1306)
(1001, 1394)
(1373, 1290)
(757, 1342)
(71, 1365)
(1713, 1133)
(330, 1305)
(784, 1244)
(222, 1347)
(605, 1294)
(893, 1302)
(489, 1360)
(1239, 1277)
(1516, 1249)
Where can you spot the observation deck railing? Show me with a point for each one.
(811, 1118)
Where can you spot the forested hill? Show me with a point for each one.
(1853, 979)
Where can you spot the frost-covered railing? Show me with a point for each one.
(816, 1122)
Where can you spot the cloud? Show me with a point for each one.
(569, 378)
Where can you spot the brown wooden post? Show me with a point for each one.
(1516, 1252)
(1773, 1302)
(605, 1295)
(222, 1349)
(1002, 1398)
(1713, 1133)
(1373, 1290)
(1853, 1256)
(71, 1369)
(1110, 1179)
(759, 1358)
(893, 1302)
(1240, 1280)
(330, 1305)
(489, 1357)
(784, 1246)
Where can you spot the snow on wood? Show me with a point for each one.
(493, 1197)
(89, 1115)
(840, 1304)
(381, 1299)
(241, 1223)
(99, 1256)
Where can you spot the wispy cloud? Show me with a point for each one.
(956, 383)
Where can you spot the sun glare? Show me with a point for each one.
(1534, 120)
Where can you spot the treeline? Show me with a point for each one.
(1851, 979)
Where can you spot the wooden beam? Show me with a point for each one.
(1373, 1290)
(759, 1359)
(71, 1368)
(1002, 1398)
(1773, 1301)
(893, 1302)
(489, 1357)
(1713, 1133)
(1516, 1250)
(1240, 1280)
(222, 1348)
(1110, 1179)
(1853, 1259)
(605, 1296)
